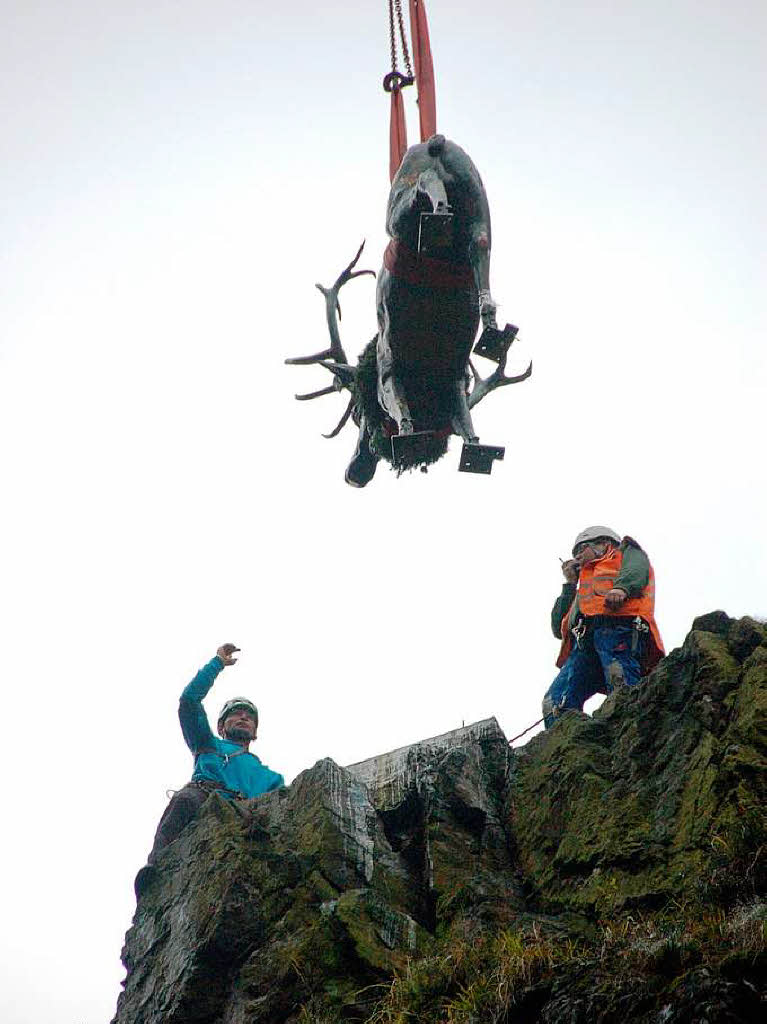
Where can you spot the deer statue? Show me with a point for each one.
(414, 384)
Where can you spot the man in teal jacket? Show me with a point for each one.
(223, 764)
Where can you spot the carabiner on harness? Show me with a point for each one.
(640, 627)
(579, 632)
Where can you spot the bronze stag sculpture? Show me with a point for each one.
(414, 384)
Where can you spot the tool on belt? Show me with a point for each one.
(583, 626)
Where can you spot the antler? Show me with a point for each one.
(334, 358)
(484, 385)
(336, 350)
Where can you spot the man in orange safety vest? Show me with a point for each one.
(605, 618)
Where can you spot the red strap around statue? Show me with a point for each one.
(397, 132)
(424, 69)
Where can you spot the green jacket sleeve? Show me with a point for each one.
(635, 569)
(561, 605)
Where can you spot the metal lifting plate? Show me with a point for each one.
(479, 458)
(411, 448)
(494, 344)
(435, 232)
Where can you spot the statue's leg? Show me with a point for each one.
(461, 422)
(391, 392)
(391, 395)
(361, 469)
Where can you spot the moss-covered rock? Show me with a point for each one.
(640, 804)
(611, 870)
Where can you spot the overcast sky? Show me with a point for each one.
(175, 179)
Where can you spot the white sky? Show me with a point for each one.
(175, 178)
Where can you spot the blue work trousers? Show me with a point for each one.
(608, 657)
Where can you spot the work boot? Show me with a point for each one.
(361, 469)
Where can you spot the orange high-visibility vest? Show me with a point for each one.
(596, 580)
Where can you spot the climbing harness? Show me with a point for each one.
(226, 758)
(638, 633)
(394, 82)
(639, 629)
(579, 632)
(209, 786)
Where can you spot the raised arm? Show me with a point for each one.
(198, 734)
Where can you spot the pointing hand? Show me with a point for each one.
(225, 653)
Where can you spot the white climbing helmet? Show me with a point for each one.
(595, 533)
(237, 702)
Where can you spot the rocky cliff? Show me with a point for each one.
(613, 869)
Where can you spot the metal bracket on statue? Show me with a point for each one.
(479, 458)
(410, 449)
(435, 231)
(494, 344)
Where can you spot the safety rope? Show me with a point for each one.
(519, 735)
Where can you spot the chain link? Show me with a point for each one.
(392, 37)
(395, 6)
(403, 37)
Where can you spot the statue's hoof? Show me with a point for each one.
(361, 469)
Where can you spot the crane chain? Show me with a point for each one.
(395, 7)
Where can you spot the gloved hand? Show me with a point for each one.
(615, 598)
(570, 570)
